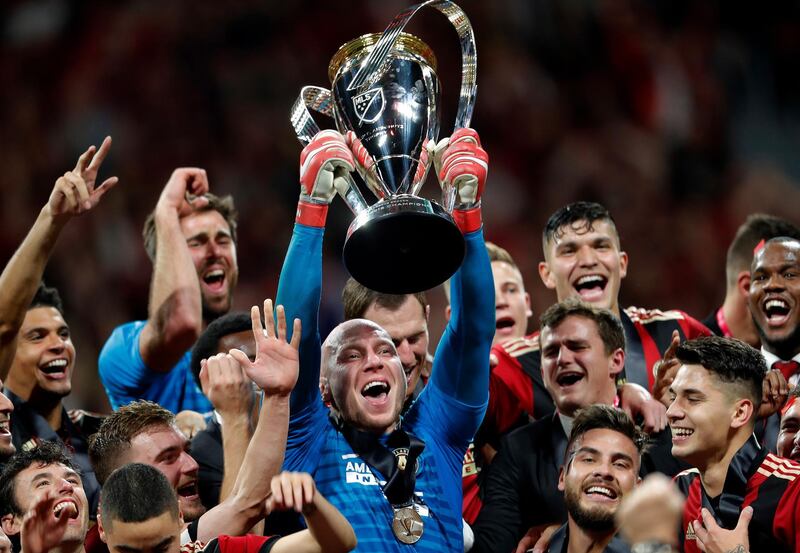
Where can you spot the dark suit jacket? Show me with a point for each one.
(521, 487)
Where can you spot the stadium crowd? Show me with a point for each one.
(450, 420)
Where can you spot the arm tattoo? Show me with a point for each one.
(738, 549)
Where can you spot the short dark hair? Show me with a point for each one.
(732, 361)
(608, 325)
(113, 439)
(605, 417)
(135, 493)
(357, 298)
(579, 216)
(207, 344)
(46, 453)
(757, 227)
(223, 205)
(47, 296)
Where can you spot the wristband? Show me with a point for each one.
(311, 215)
(468, 220)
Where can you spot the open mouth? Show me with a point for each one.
(188, 490)
(70, 505)
(504, 323)
(57, 368)
(777, 311)
(601, 492)
(567, 379)
(376, 391)
(5, 427)
(681, 434)
(590, 287)
(215, 279)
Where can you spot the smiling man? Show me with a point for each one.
(583, 257)
(601, 467)
(775, 308)
(788, 445)
(405, 318)
(583, 352)
(30, 477)
(715, 398)
(191, 239)
(398, 481)
(36, 349)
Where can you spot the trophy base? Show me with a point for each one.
(402, 245)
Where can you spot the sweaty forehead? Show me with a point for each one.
(778, 253)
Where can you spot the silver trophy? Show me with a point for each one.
(385, 90)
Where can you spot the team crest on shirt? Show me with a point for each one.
(401, 453)
(690, 535)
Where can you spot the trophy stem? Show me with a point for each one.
(351, 195)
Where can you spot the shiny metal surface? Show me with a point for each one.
(395, 116)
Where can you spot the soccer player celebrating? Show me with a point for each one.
(398, 481)
(715, 396)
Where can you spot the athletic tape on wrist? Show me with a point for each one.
(311, 215)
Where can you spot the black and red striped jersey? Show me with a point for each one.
(755, 478)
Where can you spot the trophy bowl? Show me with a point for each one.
(403, 243)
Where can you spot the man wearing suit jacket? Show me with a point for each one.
(583, 351)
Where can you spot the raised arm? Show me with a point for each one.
(275, 372)
(325, 160)
(174, 318)
(74, 193)
(461, 363)
(328, 530)
(230, 391)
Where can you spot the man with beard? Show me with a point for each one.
(361, 442)
(715, 397)
(44, 478)
(405, 318)
(775, 307)
(144, 432)
(191, 239)
(601, 467)
(733, 319)
(36, 349)
(583, 352)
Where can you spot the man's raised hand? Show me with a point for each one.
(276, 366)
(185, 191)
(75, 192)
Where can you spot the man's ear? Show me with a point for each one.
(743, 413)
(428, 313)
(743, 281)
(623, 264)
(447, 313)
(325, 390)
(561, 475)
(11, 524)
(100, 529)
(546, 275)
(616, 362)
(528, 310)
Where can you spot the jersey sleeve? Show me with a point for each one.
(248, 543)
(692, 328)
(122, 370)
(299, 291)
(461, 363)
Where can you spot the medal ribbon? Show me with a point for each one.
(400, 477)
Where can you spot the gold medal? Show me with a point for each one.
(407, 525)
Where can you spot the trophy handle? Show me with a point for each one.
(319, 99)
(375, 64)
